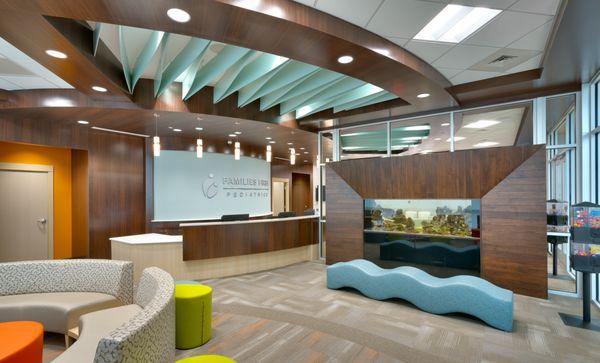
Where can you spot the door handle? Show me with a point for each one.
(42, 220)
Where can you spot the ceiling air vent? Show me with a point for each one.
(502, 59)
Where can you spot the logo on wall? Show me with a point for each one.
(210, 188)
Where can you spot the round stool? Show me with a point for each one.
(193, 315)
(207, 359)
(21, 341)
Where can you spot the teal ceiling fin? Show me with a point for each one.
(145, 56)
(193, 50)
(96, 38)
(123, 56)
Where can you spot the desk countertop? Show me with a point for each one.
(148, 238)
(268, 220)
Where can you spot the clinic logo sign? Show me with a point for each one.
(210, 188)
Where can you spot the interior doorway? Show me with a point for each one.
(280, 196)
(301, 193)
(26, 212)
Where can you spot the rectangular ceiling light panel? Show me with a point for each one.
(455, 23)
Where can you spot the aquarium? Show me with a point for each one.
(438, 236)
(585, 239)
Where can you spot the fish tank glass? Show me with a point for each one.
(438, 236)
(585, 237)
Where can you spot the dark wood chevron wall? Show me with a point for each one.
(510, 181)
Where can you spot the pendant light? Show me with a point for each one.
(156, 139)
(236, 151)
(199, 149)
(269, 155)
(292, 156)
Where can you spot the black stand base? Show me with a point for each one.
(577, 322)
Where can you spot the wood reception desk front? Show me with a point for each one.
(218, 249)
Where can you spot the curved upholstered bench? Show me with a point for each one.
(57, 292)
(140, 332)
(459, 294)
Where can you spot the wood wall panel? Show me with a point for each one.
(344, 220)
(509, 180)
(117, 199)
(513, 252)
(237, 239)
(79, 203)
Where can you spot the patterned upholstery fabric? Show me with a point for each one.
(150, 335)
(104, 276)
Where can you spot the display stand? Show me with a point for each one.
(557, 231)
(585, 258)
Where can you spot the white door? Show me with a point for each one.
(279, 195)
(25, 212)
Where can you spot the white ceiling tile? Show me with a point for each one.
(463, 56)
(9, 86)
(533, 63)
(536, 40)
(472, 76)
(507, 28)
(448, 72)
(357, 12)
(29, 82)
(548, 7)
(428, 51)
(403, 18)
(399, 41)
(494, 4)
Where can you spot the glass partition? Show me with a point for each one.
(363, 142)
(421, 135)
(437, 236)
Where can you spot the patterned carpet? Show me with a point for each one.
(288, 315)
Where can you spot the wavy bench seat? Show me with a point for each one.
(459, 294)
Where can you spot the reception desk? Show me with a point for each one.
(219, 249)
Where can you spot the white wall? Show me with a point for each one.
(188, 188)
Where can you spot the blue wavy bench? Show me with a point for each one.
(459, 294)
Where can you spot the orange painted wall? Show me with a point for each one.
(60, 159)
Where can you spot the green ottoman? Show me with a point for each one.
(193, 315)
(207, 359)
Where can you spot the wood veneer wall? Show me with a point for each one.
(115, 169)
(511, 182)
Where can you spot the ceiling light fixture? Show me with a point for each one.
(236, 151)
(292, 156)
(199, 128)
(156, 139)
(486, 143)
(267, 138)
(290, 143)
(56, 54)
(345, 59)
(232, 135)
(82, 122)
(455, 23)
(446, 124)
(99, 89)
(423, 95)
(238, 132)
(269, 155)
(178, 15)
(271, 142)
(417, 128)
(177, 130)
(481, 124)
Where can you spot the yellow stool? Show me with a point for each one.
(193, 315)
(207, 359)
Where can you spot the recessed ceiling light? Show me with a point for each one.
(237, 123)
(306, 161)
(177, 130)
(178, 15)
(83, 122)
(456, 22)
(486, 143)
(232, 135)
(267, 138)
(423, 95)
(199, 128)
(238, 132)
(345, 59)
(99, 89)
(56, 54)
(271, 142)
(199, 118)
(457, 138)
(301, 148)
(290, 143)
(481, 124)
(446, 124)
(306, 152)
(412, 138)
